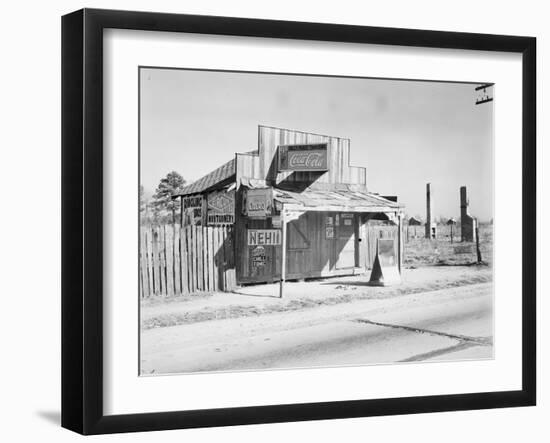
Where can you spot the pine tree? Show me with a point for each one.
(144, 214)
(162, 202)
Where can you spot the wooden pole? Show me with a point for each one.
(451, 232)
(479, 259)
(283, 253)
(181, 210)
(399, 241)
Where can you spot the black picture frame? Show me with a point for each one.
(82, 220)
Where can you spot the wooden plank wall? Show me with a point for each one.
(177, 261)
(340, 171)
(320, 258)
(263, 165)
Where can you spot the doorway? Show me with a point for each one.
(345, 240)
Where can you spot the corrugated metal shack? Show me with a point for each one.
(296, 200)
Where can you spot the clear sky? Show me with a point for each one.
(406, 133)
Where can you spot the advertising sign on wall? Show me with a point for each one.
(221, 208)
(307, 157)
(194, 201)
(258, 257)
(264, 237)
(259, 202)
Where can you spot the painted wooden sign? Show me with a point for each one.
(386, 251)
(276, 221)
(221, 202)
(220, 219)
(192, 202)
(264, 237)
(384, 270)
(259, 202)
(258, 257)
(221, 208)
(308, 157)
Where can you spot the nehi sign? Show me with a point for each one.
(264, 237)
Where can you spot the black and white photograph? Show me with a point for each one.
(291, 221)
(271, 222)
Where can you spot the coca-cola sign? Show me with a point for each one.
(310, 157)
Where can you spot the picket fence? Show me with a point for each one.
(177, 260)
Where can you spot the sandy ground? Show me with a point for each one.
(264, 299)
(362, 325)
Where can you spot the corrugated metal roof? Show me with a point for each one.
(210, 180)
(342, 200)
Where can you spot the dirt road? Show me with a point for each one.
(454, 323)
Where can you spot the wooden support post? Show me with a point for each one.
(399, 241)
(451, 232)
(479, 259)
(283, 253)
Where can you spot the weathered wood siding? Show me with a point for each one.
(339, 171)
(178, 261)
(309, 252)
(321, 257)
(263, 165)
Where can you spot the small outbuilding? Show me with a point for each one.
(414, 222)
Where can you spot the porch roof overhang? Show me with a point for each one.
(335, 201)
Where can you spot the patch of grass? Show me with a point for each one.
(424, 252)
(154, 301)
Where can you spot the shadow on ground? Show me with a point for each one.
(249, 294)
(53, 417)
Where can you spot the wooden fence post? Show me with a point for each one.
(155, 259)
(184, 262)
(176, 259)
(193, 258)
(479, 259)
(283, 254)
